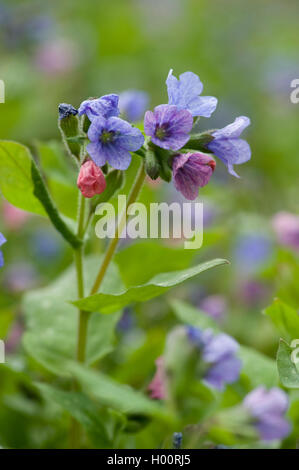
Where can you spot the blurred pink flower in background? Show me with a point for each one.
(57, 57)
(14, 338)
(157, 386)
(286, 227)
(13, 217)
(253, 293)
(20, 277)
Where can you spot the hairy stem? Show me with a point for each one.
(114, 242)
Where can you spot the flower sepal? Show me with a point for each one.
(152, 164)
(163, 158)
(200, 142)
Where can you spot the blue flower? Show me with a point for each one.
(218, 352)
(2, 241)
(227, 145)
(168, 126)
(268, 409)
(184, 93)
(106, 106)
(252, 251)
(132, 104)
(112, 140)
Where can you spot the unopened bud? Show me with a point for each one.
(91, 180)
(69, 126)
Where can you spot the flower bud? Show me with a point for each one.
(91, 180)
(68, 124)
(152, 166)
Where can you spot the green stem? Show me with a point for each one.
(114, 242)
(75, 432)
(84, 316)
(82, 326)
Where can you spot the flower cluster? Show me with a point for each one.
(286, 227)
(172, 149)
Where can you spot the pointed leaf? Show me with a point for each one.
(158, 285)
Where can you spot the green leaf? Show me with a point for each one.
(158, 285)
(60, 176)
(80, 407)
(288, 372)
(285, 318)
(113, 394)
(15, 177)
(52, 158)
(41, 192)
(52, 321)
(156, 258)
(65, 196)
(256, 366)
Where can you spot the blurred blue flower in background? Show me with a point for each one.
(45, 245)
(268, 407)
(133, 104)
(251, 252)
(219, 354)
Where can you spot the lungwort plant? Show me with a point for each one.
(198, 395)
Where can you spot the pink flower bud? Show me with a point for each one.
(91, 180)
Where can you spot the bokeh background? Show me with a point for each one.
(246, 54)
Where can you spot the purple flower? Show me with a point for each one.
(184, 93)
(2, 241)
(132, 104)
(219, 355)
(168, 126)
(215, 306)
(253, 293)
(227, 145)
(112, 140)
(286, 227)
(268, 407)
(106, 106)
(192, 171)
